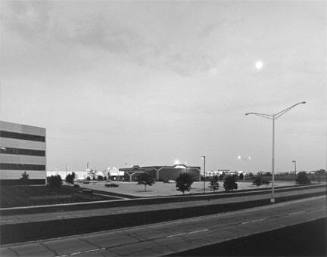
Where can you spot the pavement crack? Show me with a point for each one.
(51, 250)
(88, 242)
(16, 253)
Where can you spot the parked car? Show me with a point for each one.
(111, 185)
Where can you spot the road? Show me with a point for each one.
(38, 217)
(176, 236)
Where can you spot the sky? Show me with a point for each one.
(121, 83)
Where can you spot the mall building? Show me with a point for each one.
(22, 149)
(161, 173)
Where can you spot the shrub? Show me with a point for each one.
(184, 182)
(100, 178)
(260, 180)
(230, 183)
(302, 178)
(70, 178)
(145, 179)
(54, 181)
(25, 178)
(214, 185)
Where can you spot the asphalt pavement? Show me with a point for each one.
(176, 236)
(40, 217)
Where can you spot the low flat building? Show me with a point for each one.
(161, 173)
(22, 149)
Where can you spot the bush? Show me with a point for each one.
(145, 179)
(184, 182)
(260, 180)
(230, 183)
(25, 178)
(302, 178)
(214, 185)
(54, 181)
(100, 178)
(70, 178)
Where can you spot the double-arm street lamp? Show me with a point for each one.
(274, 117)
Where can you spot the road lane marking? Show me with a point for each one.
(179, 234)
(81, 252)
(252, 221)
(189, 233)
(198, 231)
(296, 213)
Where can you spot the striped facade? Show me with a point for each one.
(22, 149)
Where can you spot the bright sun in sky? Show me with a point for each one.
(258, 65)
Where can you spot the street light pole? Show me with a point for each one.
(272, 200)
(274, 117)
(294, 167)
(204, 173)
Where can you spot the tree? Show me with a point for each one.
(221, 176)
(241, 176)
(70, 178)
(184, 182)
(320, 175)
(214, 185)
(302, 178)
(230, 183)
(25, 178)
(54, 181)
(145, 179)
(259, 180)
(320, 172)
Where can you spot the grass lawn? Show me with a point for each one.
(12, 196)
(166, 189)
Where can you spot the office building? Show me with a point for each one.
(22, 149)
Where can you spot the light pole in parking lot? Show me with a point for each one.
(294, 167)
(204, 173)
(274, 117)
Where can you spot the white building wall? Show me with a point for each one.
(22, 149)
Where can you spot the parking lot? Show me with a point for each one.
(165, 189)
